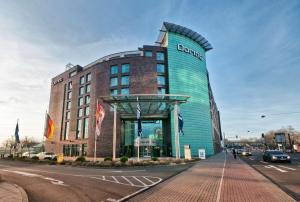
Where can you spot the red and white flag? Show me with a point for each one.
(100, 113)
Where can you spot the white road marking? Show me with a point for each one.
(280, 170)
(128, 180)
(148, 180)
(252, 159)
(135, 181)
(220, 186)
(111, 199)
(115, 179)
(264, 162)
(139, 181)
(287, 168)
(127, 171)
(52, 180)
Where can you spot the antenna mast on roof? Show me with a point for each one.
(69, 66)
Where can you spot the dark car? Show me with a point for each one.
(276, 156)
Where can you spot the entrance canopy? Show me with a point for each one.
(152, 105)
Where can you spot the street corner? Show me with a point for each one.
(10, 192)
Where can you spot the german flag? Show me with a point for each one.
(49, 128)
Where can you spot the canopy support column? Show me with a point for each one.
(176, 131)
(115, 132)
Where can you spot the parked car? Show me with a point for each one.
(29, 154)
(276, 156)
(46, 155)
(246, 152)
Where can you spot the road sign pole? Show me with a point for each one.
(115, 132)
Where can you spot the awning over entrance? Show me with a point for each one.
(152, 105)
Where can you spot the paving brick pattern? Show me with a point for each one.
(202, 183)
(9, 193)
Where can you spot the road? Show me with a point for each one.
(65, 183)
(285, 175)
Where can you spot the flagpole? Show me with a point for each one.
(138, 142)
(43, 140)
(95, 148)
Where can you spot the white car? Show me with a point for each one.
(29, 154)
(46, 155)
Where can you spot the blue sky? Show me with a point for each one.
(254, 66)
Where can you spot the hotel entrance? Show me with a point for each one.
(154, 142)
(155, 115)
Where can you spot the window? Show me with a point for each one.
(69, 96)
(78, 128)
(88, 88)
(161, 91)
(68, 115)
(160, 56)
(68, 105)
(114, 92)
(88, 77)
(161, 80)
(125, 80)
(160, 68)
(84, 150)
(148, 54)
(73, 73)
(80, 112)
(67, 127)
(86, 128)
(81, 80)
(87, 111)
(80, 101)
(70, 85)
(125, 68)
(114, 69)
(125, 91)
(81, 90)
(87, 99)
(114, 81)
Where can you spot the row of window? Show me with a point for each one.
(82, 129)
(124, 81)
(124, 91)
(87, 78)
(115, 69)
(82, 90)
(159, 55)
(74, 150)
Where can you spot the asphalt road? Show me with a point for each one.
(65, 183)
(285, 175)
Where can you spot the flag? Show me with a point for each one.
(17, 138)
(180, 124)
(100, 113)
(49, 129)
(138, 116)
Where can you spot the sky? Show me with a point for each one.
(254, 67)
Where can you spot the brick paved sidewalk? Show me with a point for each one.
(12, 193)
(204, 182)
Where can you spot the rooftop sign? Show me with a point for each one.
(190, 51)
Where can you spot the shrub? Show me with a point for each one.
(124, 159)
(107, 159)
(80, 158)
(35, 158)
(154, 158)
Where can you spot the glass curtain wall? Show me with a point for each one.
(155, 140)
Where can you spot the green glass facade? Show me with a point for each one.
(187, 75)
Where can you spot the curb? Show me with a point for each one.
(20, 189)
(22, 192)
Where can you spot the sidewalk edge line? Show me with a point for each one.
(221, 182)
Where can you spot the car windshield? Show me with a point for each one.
(276, 152)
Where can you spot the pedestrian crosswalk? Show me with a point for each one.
(135, 181)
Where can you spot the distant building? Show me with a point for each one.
(175, 66)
